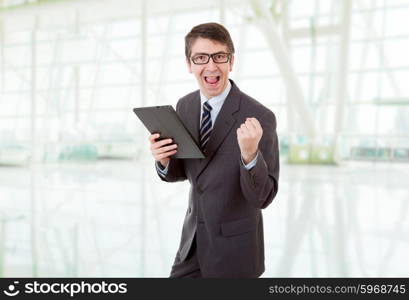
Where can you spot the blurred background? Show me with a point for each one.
(79, 195)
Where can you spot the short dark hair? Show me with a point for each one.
(211, 31)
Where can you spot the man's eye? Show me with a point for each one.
(200, 57)
(221, 57)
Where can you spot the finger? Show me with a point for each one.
(164, 155)
(256, 123)
(161, 143)
(250, 125)
(244, 130)
(153, 137)
(165, 149)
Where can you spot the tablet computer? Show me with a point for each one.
(165, 121)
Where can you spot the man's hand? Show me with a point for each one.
(161, 150)
(248, 137)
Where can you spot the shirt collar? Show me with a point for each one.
(216, 99)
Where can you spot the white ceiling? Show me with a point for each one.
(56, 13)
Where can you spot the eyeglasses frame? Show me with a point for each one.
(211, 56)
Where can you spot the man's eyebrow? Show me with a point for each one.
(203, 53)
(200, 53)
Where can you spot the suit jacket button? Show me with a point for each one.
(190, 210)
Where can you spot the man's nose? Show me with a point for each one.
(211, 65)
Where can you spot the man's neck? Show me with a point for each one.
(224, 89)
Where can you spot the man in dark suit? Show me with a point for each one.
(222, 233)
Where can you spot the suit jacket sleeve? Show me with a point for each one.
(260, 184)
(176, 169)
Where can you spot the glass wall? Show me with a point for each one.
(78, 192)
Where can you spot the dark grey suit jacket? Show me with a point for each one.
(225, 199)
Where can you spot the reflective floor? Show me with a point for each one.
(116, 218)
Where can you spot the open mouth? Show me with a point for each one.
(212, 80)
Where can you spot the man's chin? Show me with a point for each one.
(212, 92)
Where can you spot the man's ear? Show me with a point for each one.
(189, 65)
(231, 62)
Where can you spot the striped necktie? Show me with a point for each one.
(205, 126)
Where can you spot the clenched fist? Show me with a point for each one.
(248, 137)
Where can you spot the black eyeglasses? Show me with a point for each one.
(204, 58)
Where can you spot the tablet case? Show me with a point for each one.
(164, 120)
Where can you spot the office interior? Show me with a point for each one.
(79, 195)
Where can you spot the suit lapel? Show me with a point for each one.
(224, 123)
(192, 121)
